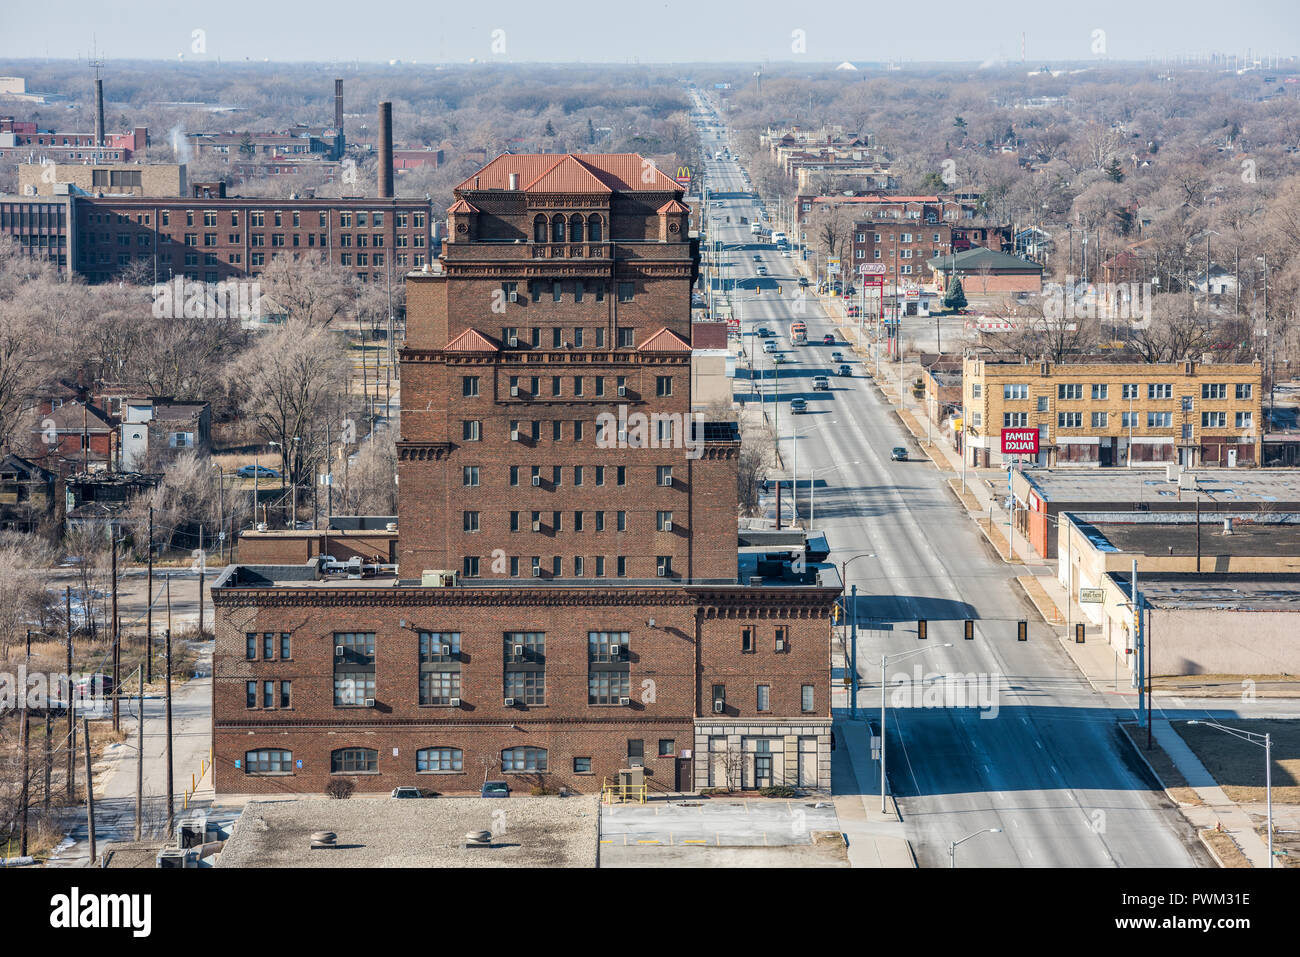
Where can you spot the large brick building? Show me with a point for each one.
(1106, 413)
(571, 598)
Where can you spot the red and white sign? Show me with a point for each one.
(872, 269)
(733, 325)
(1019, 441)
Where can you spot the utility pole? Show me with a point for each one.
(169, 601)
(49, 755)
(853, 674)
(171, 801)
(117, 658)
(202, 566)
(72, 728)
(90, 790)
(149, 605)
(139, 762)
(26, 796)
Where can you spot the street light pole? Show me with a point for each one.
(1253, 737)
(952, 845)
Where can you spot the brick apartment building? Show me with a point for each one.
(1107, 413)
(571, 598)
(42, 228)
(22, 139)
(212, 238)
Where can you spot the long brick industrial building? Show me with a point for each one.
(571, 597)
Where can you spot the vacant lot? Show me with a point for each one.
(1239, 766)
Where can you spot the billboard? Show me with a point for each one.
(872, 269)
(1019, 441)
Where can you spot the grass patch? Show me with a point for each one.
(1226, 848)
(1171, 779)
(1238, 767)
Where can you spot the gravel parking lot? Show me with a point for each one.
(383, 832)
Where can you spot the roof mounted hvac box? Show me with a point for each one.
(437, 578)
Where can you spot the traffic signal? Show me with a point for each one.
(835, 614)
(920, 629)
(970, 630)
(1078, 634)
(1022, 631)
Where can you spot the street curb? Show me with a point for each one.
(1200, 834)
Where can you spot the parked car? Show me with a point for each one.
(799, 406)
(93, 685)
(495, 789)
(845, 369)
(256, 471)
(821, 383)
(898, 454)
(837, 356)
(407, 793)
(828, 340)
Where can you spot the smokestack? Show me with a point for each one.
(385, 150)
(338, 118)
(99, 117)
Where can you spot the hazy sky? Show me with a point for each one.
(587, 30)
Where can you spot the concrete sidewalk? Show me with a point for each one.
(874, 839)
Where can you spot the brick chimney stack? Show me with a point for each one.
(385, 150)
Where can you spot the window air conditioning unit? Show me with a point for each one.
(622, 390)
(625, 701)
(661, 570)
(455, 702)
(668, 525)
(370, 702)
(537, 480)
(537, 571)
(514, 435)
(622, 436)
(615, 650)
(510, 702)
(338, 651)
(718, 705)
(445, 649)
(514, 389)
(514, 296)
(537, 526)
(780, 645)
(514, 342)
(519, 651)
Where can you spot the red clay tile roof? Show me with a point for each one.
(665, 340)
(573, 172)
(673, 206)
(471, 340)
(460, 206)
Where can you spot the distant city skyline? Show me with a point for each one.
(668, 32)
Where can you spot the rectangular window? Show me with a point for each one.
(577, 385)
(514, 475)
(470, 476)
(250, 647)
(600, 566)
(1100, 390)
(1129, 390)
(1214, 390)
(440, 667)
(806, 698)
(1069, 390)
(626, 337)
(620, 475)
(470, 521)
(1245, 420)
(354, 668)
(284, 647)
(664, 521)
(1069, 420)
(469, 386)
(1160, 390)
(976, 390)
(1214, 420)
(1160, 420)
(1015, 390)
(621, 523)
(747, 641)
(621, 566)
(1245, 390)
(626, 290)
(1042, 403)
(524, 656)
(582, 765)
(268, 694)
(268, 647)
(635, 752)
(664, 475)
(663, 385)
(1099, 420)
(1014, 420)
(764, 698)
(471, 430)
(250, 694)
(600, 475)
(1129, 420)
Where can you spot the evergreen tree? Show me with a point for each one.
(954, 296)
(550, 130)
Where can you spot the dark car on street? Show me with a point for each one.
(495, 789)
(828, 340)
(845, 369)
(898, 454)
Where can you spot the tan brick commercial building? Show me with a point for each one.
(133, 179)
(571, 598)
(1115, 413)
